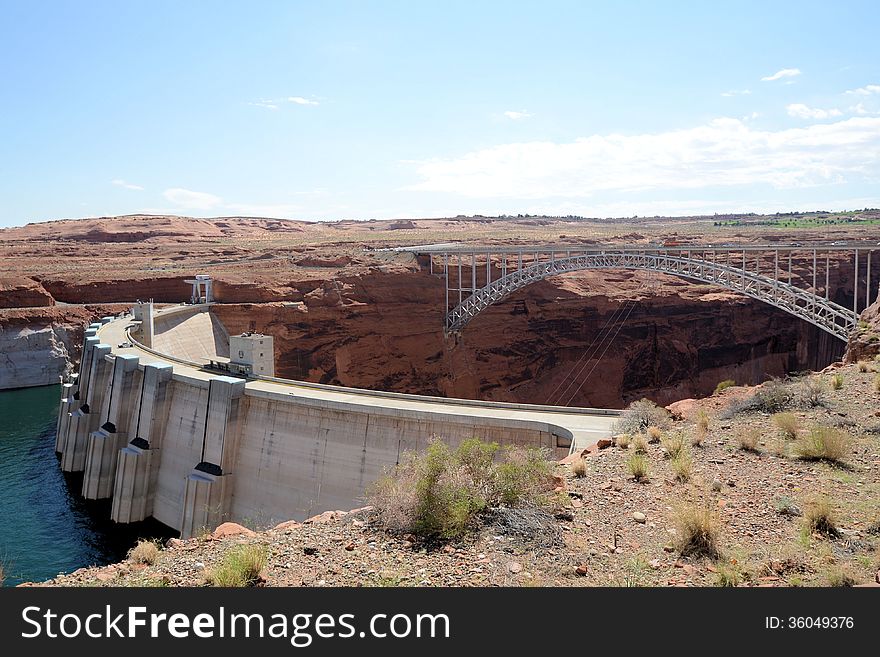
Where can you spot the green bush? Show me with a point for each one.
(823, 444)
(637, 464)
(723, 385)
(241, 566)
(441, 493)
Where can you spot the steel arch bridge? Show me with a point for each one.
(755, 271)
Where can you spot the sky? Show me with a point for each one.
(356, 110)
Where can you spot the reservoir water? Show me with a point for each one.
(45, 526)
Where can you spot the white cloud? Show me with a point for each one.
(801, 111)
(725, 152)
(190, 200)
(266, 104)
(126, 185)
(784, 73)
(516, 116)
(867, 90)
(736, 92)
(299, 100)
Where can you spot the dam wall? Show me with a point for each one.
(193, 448)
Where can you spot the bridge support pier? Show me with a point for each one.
(137, 464)
(85, 419)
(103, 444)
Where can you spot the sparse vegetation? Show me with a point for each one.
(727, 574)
(681, 466)
(673, 444)
(638, 467)
(840, 576)
(697, 530)
(810, 392)
(788, 424)
(640, 444)
(640, 415)
(240, 567)
(723, 385)
(819, 517)
(145, 552)
(837, 382)
(823, 443)
(786, 506)
(747, 439)
(862, 366)
(579, 467)
(441, 493)
(877, 383)
(702, 430)
(655, 434)
(623, 440)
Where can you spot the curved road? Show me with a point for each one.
(586, 425)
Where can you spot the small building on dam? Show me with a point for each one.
(173, 419)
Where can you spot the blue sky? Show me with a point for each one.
(330, 110)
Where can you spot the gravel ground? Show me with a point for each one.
(608, 529)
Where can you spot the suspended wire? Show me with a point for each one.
(599, 360)
(590, 348)
(622, 309)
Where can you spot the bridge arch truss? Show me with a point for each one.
(795, 279)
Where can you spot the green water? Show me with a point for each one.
(45, 526)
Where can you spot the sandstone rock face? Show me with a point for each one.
(38, 345)
(22, 292)
(33, 357)
(864, 343)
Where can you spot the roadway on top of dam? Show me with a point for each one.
(586, 425)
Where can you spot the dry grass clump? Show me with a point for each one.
(240, 567)
(623, 440)
(655, 434)
(724, 385)
(836, 382)
(640, 444)
(640, 415)
(838, 576)
(823, 443)
(441, 493)
(819, 517)
(145, 552)
(747, 439)
(863, 366)
(702, 430)
(788, 424)
(681, 466)
(698, 530)
(579, 467)
(638, 466)
(877, 383)
(674, 445)
(810, 392)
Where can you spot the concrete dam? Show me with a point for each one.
(170, 423)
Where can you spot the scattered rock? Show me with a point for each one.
(310, 550)
(604, 443)
(581, 570)
(639, 517)
(349, 547)
(289, 524)
(717, 485)
(228, 529)
(514, 567)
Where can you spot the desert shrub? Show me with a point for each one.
(640, 444)
(772, 397)
(724, 385)
(747, 439)
(823, 443)
(440, 493)
(640, 415)
(810, 392)
(862, 366)
(838, 576)
(673, 444)
(241, 566)
(579, 467)
(786, 506)
(681, 466)
(727, 574)
(819, 517)
(703, 420)
(638, 467)
(623, 440)
(145, 552)
(697, 530)
(788, 424)
(836, 382)
(655, 434)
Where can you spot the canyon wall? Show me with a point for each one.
(588, 339)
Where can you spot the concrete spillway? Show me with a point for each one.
(164, 437)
